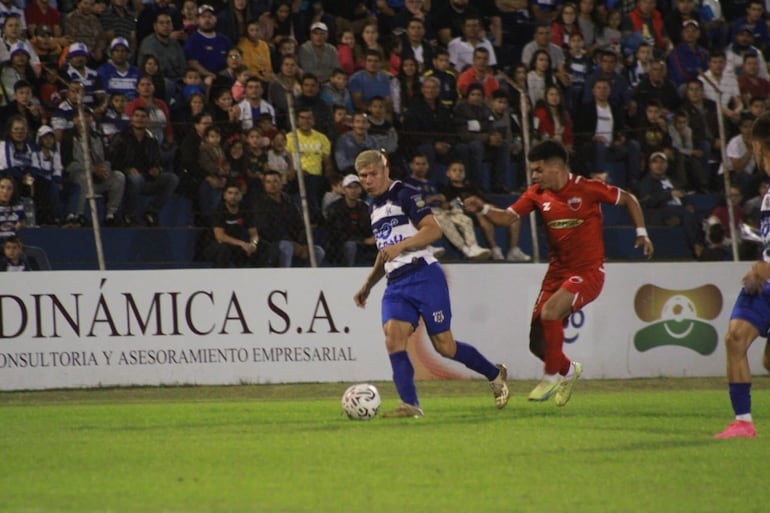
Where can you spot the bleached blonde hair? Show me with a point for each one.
(369, 157)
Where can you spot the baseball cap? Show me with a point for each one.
(18, 47)
(318, 25)
(119, 41)
(204, 8)
(42, 131)
(658, 154)
(745, 28)
(77, 49)
(687, 23)
(350, 180)
(43, 30)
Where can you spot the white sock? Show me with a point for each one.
(552, 377)
(571, 370)
(745, 417)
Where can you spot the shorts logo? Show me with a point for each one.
(438, 317)
(678, 318)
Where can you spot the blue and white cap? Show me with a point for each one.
(77, 49)
(119, 41)
(18, 47)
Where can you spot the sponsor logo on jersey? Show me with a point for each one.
(563, 224)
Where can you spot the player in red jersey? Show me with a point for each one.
(570, 209)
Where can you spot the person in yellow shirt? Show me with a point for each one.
(314, 156)
(256, 52)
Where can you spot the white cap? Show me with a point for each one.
(658, 154)
(119, 41)
(43, 130)
(350, 180)
(319, 25)
(77, 49)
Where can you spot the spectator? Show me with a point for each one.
(351, 143)
(24, 104)
(645, 23)
(415, 46)
(17, 156)
(576, 68)
(16, 69)
(753, 21)
(105, 180)
(688, 59)
(656, 86)
(370, 40)
(661, 201)
(13, 258)
(370, 82)
(40, 13)
(167, 50)
(682, 11)
(518, 29)
(446, 76)
(458, 228)
(405, 87)
(542, 41)
(235, 241)
(286, 81)
(653, 135)
(159, 116)
(449, 19)
(280, 160)
(238, 89)
(345, 52)
(696, 177)
(430, 128)
(743, 45)
(473, 121)
(137, 155)
(715, 250)
(741, 163)
(725, 81)
(553, 120)
(609, 35)
(478, 73)
(323, 118)
(47, 48)
(14, 35)
(233, 17)
(564, 25)
(226, 77)
(191, 176)
(601, 126)
(315, 158)
(702, 114)
(12, 216)
(279, 223)
(48, 184)
(215, 170)
(206, 49)
(380, 129)
(256, 52)
(61, 119)
(151, 12)
(350, 238)
(539, 76)
(335, 92)
(118, 21)
(751, 84)
(226, 115)
(93, 92)
(316, 56)
(118, 75)
(82, 25)
(278, 23)
(640, 65)
(620, 91)
(253, 106)
(115, 117)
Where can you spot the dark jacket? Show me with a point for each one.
(126, 152)
(585, 123)
(277, 221)
(346, 224)
(425, 125)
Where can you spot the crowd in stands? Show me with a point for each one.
(154, 98)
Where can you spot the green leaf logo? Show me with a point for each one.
(678, 318)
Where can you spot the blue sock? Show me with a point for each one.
(471, 358)
(740, 397)
(403, 377)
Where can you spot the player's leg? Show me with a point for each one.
(740, 334)
(551, 311)
(432, 294)
(399, 318)
(766, 356)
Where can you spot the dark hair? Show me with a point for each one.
(197, 118)
(309, 76)
(548, 150)
(19, 84)
(211, 128)
(13, 239)
(716, 234)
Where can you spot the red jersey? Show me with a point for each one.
(573, 218)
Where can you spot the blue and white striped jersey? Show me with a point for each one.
(395, 216)
(764, 226)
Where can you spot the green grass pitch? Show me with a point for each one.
(619, 446)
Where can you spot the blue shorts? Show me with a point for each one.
(423, 293)
(754, 309)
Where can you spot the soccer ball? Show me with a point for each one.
(361, 401)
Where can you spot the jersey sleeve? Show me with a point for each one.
(525, 204)
(602, 192)
(414, 204)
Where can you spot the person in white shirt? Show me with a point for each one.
(461, 48)
(725, 81)
(252, 106)
(740, 158)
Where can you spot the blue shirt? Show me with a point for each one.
(368, 86)
(685, 63)
(116, 81)
(210, 52)
(395, 216)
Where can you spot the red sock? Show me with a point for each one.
(555, 359)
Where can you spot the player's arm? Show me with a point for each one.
(376, 274)
(637, 216)
(428, 232)
(498, 216)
